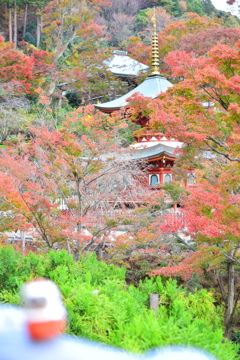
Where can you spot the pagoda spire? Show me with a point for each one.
(155, 54)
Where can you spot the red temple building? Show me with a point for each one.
(158, 151)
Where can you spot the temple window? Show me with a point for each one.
(154, 180)
(126, 182)
(167, 178)
(191, 179)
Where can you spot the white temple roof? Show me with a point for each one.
(146, 144)
(122, 65)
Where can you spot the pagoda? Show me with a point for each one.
(151, 87)
(154, 148)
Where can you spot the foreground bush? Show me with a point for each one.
(103, 308)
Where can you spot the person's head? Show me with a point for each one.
(46, 315)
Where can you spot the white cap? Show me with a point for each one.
(42, 301)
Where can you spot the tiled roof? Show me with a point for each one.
(122, 65)
(151, 87)
(153, 151)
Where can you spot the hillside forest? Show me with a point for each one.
(66, 168)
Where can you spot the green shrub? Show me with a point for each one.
(236, 339)
(14, 270)
(104, 308)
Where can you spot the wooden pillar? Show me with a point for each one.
(154, 301)
(175, 208)
(161, 176)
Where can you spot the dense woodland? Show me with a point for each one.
(64, 167)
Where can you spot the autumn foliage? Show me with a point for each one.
(23, 73)
(202, 111)
(70, 183)
(62, 186)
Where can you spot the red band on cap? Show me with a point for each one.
(47, 329)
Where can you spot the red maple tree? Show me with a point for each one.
(63, 186)
(202, 111)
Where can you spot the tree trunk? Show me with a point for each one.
(76, 250)
(100, 251)
(68, 247)
(51, 87)
(15, 24)
(229, 300)
(38, 30)
(25, 19)
(22, 234)
(79, 224)
(10, 25)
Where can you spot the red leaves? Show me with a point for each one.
(60, 183)
(57, 23)
(138, 104)
(185, 269)
(172, 224)
(207, 39)
(139, 50)
(208, 213)
(234, 84)
(204, 100)
(183, 64)
(20, 73)
(16, 71)
(221, 53)
(206, 257)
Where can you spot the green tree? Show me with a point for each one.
(208, 7)
(76, 43)
(172, 6)
(195, 6)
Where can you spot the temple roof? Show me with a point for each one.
(150, 139)
(120, 64)
(153, 152)
(151, 87)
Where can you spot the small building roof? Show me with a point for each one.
(120, 64)
(151, 87)
(153, 152)
(151, 139)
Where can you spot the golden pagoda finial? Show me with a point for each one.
(155, 55)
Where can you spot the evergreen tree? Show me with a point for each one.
(195, 6)
(208, 7)
(172, 7)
